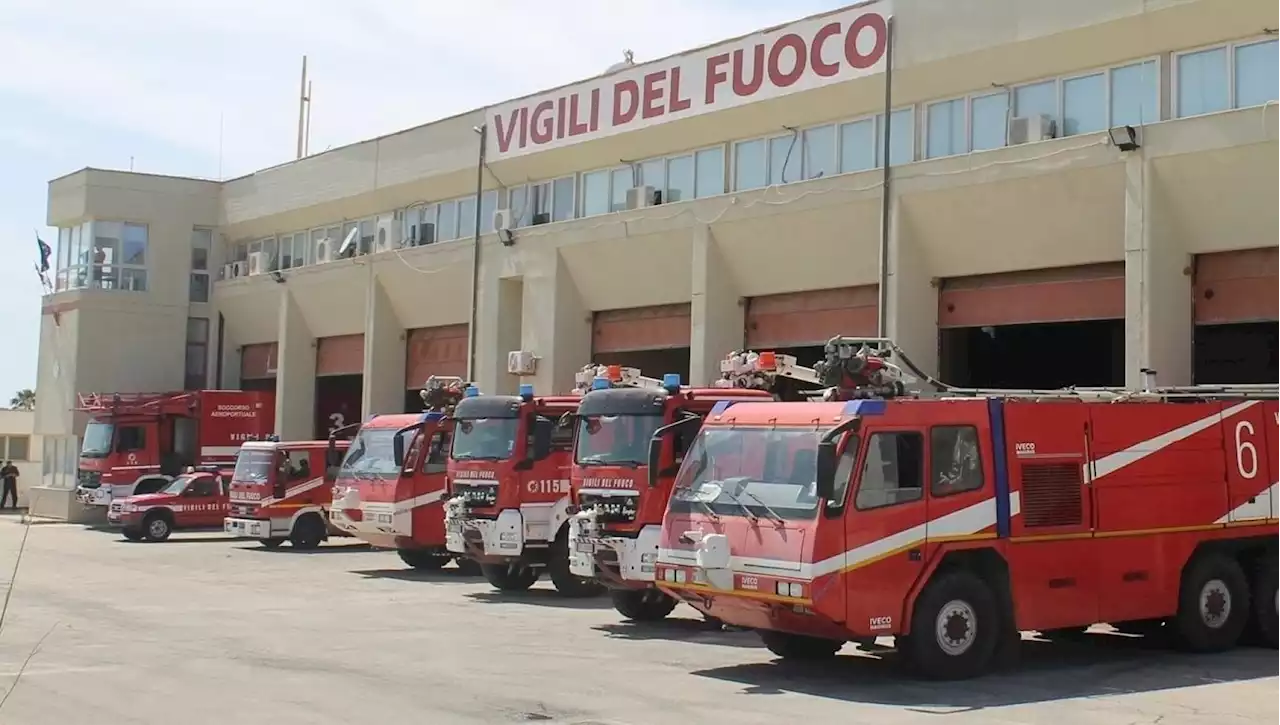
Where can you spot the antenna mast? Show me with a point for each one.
(304, 110)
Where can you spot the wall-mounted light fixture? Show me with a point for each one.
(1124, 138)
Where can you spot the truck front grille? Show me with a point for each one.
(89, 479)
(611, 509)
(476, 496)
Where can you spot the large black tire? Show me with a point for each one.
(467, 567)
(1213, 604)
(132, 534)
(308, 532)
(798, 646)
(423, 559)
(955, 628)
(642, 605)
(157, 526)
(1264, 602)
(510, 577)
(565, 581)
(271, 543)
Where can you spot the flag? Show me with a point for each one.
(45, 252)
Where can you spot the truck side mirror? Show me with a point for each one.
(397, 450)
(826, 469)
(655, 459)
(542, 430)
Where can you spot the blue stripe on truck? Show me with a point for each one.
(995, 407)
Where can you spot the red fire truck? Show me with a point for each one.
(509, 489)
(397, 502)
(617, 515)
(955, 519)
(282, 492)
(140, 441)
(194, 500)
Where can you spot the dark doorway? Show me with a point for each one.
(1238, 353)
(1043, 356)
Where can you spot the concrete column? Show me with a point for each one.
(555, 326)
(718, 325)
(382, 385)
(1157, 285)
(230, 357)
(295, 373)
(912, 298)
(490, 371)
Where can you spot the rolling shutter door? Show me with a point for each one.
(340, 355)
(1064, 294)
(1236, 286)
(434, 351)
(798, 319)
(258, 361)
(661, 327)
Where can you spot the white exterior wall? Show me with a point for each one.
(1197, 185)
(21, 423)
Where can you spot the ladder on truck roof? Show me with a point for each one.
(851, 367)
(616, 376)
(132, 403)
(859, 367)
(441, 393)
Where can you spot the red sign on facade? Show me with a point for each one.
(800, 56)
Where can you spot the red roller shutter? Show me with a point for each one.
(796, 319)
(340, 355)
(1236, 286)
(434, 351)
(258, 361)
(641, 328)
(1064, 294)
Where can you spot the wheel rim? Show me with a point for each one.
(956, 627)
(1215, 603)
(158, 527)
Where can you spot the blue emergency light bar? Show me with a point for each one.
(671, 381)
(526, 392)
(471, 392)
(863, 407)
(600, 384)
(429, 416)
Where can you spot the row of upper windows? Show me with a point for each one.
(1234, 75)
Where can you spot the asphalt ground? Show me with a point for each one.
(203, 630)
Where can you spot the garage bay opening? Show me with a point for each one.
(1047, 328)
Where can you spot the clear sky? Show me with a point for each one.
(152, 82)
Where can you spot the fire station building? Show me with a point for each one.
(1075, 191)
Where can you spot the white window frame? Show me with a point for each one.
(438, 205)
(804, 156)
(208, 264)
(968, 125)
(726, 179)
(1175, 81)
(1106, 72)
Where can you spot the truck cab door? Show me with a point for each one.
(203, 504)
(884, 528)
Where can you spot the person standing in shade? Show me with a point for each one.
(9, 473)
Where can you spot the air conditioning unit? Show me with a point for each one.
(521, 362)
(258, 263)
(229, 271)
(502, 220)
(241, 268)
(324, 251)
(387, 233)
(1029, 129)
(641, 197)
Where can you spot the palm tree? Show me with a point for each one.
(24, 399)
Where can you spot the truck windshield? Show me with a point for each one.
(605, 440)
(372, 454)
(253, 465)
(756, 471)
(485, 439)
(97, 439)
(175, 487)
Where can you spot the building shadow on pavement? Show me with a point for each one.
(680, 629)
(1096, 665)
(286, 549)
(447, 575)
(540, 597)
